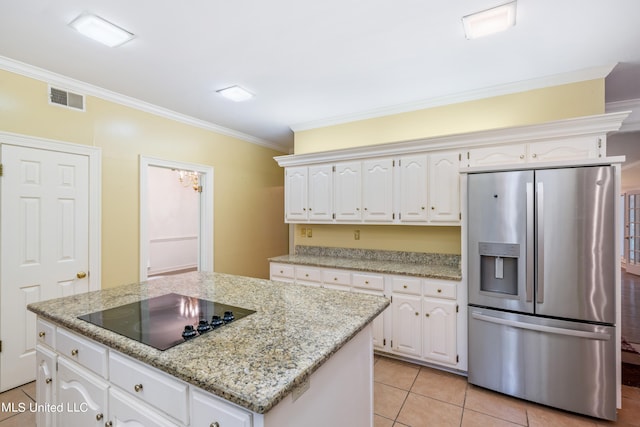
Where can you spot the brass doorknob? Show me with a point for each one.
(81, 275)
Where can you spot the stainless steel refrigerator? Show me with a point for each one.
(542, 286)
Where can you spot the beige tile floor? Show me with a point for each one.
(411, 395)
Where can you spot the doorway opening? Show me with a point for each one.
(176, 217)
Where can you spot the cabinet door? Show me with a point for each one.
(502, 155)
(127, 412)
(377, 190)
(207, 410)
(569, 149)
(377, 325)
(295, 194)
(444, 187)
(413, 188)
(346, 189)
(320, 193)
(82, 394)
(45, 384)
(406, 324)
(439, 332)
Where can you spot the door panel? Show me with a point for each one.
(576, 243)
(500, 241)
(45, 244)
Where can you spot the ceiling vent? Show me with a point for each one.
(66, 98)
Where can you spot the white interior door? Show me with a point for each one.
(44, 246)
(632, 232)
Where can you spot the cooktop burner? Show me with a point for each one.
(168, 320)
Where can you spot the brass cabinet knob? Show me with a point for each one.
(214, 424)
(433, 208)
(335, 279)
(423, 208)
(439, 290)
(426, 314)
(99, 417)
(404, 286)
(81, 275)
(366, 282)
(108, 424)
(522, 156)
(418, 314)
(534, 155)
(42, 334)
(74, 352)
(137, 388)
(48, 380)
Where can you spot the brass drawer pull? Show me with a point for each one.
(48, 380)
(99, 417)
(74, 352)
(214, 424)
(137, 388)
(42, 334)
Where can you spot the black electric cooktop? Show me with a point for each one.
(168, 320)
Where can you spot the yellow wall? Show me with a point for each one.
(525, 108)
(248, 193)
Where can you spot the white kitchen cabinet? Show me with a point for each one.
(320, 193)
(295, 194)
(127, 412)
(150, 386)
(565, 149)
(444, 187)
(406, 325)
(347, 191)
(413, 190)
(282, 272)
(439, 330)
(46, 380)
(377, 190)
(82, 394)
(207, 410)
(498, 155)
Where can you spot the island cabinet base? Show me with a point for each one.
(83, 383)
(340, 392)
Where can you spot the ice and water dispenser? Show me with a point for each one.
(499, 267)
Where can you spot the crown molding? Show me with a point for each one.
(598, 125)
(81, 87)
(632, 122)
(472, 95)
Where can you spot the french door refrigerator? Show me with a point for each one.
(542, 286)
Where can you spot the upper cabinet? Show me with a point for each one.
(418, 182)
(377, 190)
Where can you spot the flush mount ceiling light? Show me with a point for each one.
(100, 30)
(490, 21)
(235, 93)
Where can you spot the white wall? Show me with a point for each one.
(173, 222)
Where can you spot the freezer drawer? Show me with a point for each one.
(567, 365)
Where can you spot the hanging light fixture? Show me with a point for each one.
(189, 179)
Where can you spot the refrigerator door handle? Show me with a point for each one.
(540, 238)
(530, 239)
(601, 336)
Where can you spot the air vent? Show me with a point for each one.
(66, 99)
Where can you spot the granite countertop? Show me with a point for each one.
(254, 362)
(435, 266)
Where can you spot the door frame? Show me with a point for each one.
(95, 192)
(205, 234)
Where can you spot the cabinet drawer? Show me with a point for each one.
(88, 354)
(368, 281)
(150, 385)
(282, 272)
(336, 277)
(207, 410)
(46, 333)
(407, 285)
(440, 289)
(307, 274)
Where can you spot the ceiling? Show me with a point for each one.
(312, 63)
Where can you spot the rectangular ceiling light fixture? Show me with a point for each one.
(490, 21)
(235, 93)
(100, 30)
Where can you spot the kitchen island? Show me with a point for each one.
(303, 358)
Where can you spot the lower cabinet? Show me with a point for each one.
(129, 393)
(423, 319)
(83, 396)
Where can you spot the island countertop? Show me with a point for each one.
(254, 362)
